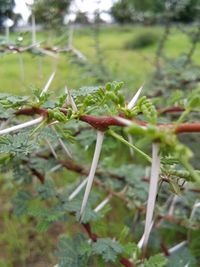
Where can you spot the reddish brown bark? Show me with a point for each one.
(32, 111)
(102, 123)
(38, 175)
(171, 110)
(126, 262)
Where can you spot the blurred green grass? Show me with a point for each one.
(131, 66)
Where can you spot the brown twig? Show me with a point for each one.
(103, 122)
(171, 110)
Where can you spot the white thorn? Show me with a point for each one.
(21, 126)
(46, 52)
(127, 122)
(102, 204)
(141, 242)
(133, 101)
(52, 149)
(47, 85)
(78, 54)
(124, 121)
(71, 100)
(68, 153)
(65, 147)
(177, 247)
(78, 189)
(53, 123)
(155, 169)
(31, 46)
(172, 206)
(55, 168)
(195, 207)
(99, 142)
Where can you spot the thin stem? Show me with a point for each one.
(120, 138)
(37, 128)
(183, 115)
(195, 176)
(130, 140)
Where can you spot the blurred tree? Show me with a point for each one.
(186, 10)
(6, 10)
(123, 11)
(128, 11)
(51, 13)
(81, 18)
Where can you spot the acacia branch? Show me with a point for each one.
(102, 123)
(171, 110)
(93, 236)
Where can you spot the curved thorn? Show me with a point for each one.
(133, 101)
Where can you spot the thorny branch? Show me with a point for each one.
(93, 236)
(103, 122)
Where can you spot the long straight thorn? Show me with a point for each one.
(102, 204)
(77, 190)
(155, 169)
(21, 126)
(99, 142)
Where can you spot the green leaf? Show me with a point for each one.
(21, 202)
(74, 206)
(181, 258)
(5, 113)
(73, 252)
(107, 248)
(19, 143)
(156, 261)
(85, 91)
(47, 190)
